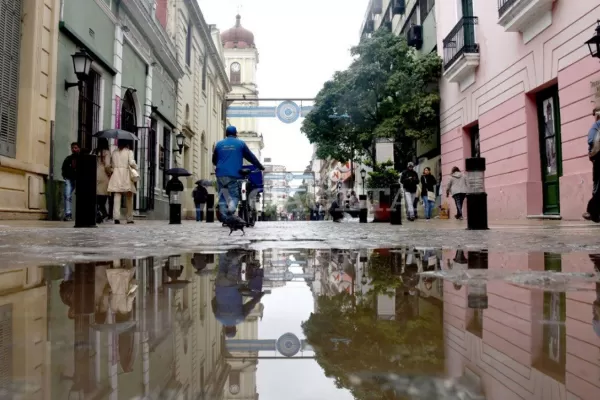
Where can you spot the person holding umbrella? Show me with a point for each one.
(123, 180)
(199, 195)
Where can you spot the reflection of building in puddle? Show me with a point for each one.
(522, 343)
(23, 335)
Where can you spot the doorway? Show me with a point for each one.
(550, 149)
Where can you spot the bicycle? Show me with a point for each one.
(245, 210)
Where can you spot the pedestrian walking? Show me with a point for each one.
(103, 173)
(428, 194)
(457, 187)
(593, 207)
(199, 194)
(123, 180)
(69, 173)
(410, 181)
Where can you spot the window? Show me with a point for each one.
(10, 32)
(166, 159)
(204, 72)
(235, 76)
(426, 7)
(188, 45)
(474, 136)
(89, 109)
(413, 19)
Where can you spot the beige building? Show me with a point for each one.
(201, 91)
(27, 96)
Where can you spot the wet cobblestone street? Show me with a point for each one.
(47, 241)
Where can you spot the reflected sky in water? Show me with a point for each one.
(399, 323)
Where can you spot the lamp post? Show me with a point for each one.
(85, 172)
(363, 175)
(594, 43)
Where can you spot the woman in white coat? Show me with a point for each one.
(122, 180)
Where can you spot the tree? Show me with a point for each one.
(388, 92)
(348, 338)
(270, 212)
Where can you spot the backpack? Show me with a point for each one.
(595, 144)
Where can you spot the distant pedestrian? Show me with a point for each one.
(336, 210)
(428, 191)
(199, 194)
(593, 207)
(457, 187)
(410, 180)
(69, 173)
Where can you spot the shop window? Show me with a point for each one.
(474, 137)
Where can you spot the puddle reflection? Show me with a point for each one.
(399, 323)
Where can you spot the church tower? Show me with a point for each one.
(241, 62)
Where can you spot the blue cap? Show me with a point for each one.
(231, 131)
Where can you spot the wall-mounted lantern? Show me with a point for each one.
(594, 43)
(82, 62)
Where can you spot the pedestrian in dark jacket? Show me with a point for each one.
(69, 173)
(336, 209)
(410, 181)
(199, 194)
(428, 186)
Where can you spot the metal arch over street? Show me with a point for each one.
(287, 111)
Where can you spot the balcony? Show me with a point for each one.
(527, 16)
(461, 52)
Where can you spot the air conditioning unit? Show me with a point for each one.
(398, 7)
(414, 36)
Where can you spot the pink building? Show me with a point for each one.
(517, 90)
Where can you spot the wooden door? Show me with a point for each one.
(550, 149)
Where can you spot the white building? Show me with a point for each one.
(241, 61)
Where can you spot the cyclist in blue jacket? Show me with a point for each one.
(228, 158)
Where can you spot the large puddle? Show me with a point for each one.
(418, 323)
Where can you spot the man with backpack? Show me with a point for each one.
(593, 207)
(410, 181)
(199, 194)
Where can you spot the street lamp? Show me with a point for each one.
(180, 139)
(594, 43)
(82, 62)
(363, 175)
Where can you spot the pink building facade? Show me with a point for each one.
(517, 91)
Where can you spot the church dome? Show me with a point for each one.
(237, 37)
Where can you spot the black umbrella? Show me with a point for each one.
(116, 134)
(204, 182)
(178, 172)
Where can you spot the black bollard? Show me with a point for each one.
(396, 206)
(477, 297)
(477, 216)
(174, 189)
(363, 212)
(85, 192)
(210, 208)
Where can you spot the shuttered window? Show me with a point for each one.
(6, 345)
(10, 38)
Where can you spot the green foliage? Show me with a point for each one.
(388, 91)
(300, 202)
(349, 338)
(382, 176)
(270, 212)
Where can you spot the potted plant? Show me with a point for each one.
(380, 179)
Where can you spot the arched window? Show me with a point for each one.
(235, 74)
(128, 113)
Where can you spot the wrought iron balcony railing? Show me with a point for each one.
(504, 5)
(461, 40)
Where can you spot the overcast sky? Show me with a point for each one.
(301, 45)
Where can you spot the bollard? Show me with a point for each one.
(210, 208)
(477, 218)
(85, 190)
(396, 206)
(477, 297)
(174, 190)
(363, 212)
